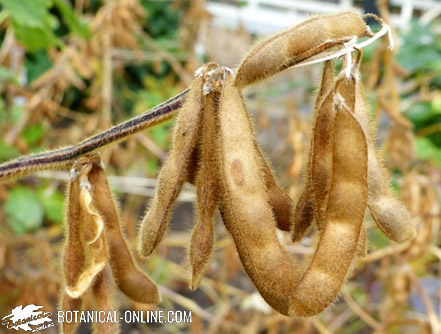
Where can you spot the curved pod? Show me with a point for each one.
(248, 216)
(293, 46)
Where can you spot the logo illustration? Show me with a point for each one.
(24, 318)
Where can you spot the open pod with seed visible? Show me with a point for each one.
(95, 249)
(86, 251)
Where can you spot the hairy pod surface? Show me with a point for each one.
(280, 202)
(360, 253)
(129, 279)
(70, 304)
(88, 225)
(244, 203)
(103, 295)
(248, 217)
(303, 215)
(389, 213)
(174, 171)
(345, 210)
(311, 204)
(293, 46)
(74, 257)
(202, 237)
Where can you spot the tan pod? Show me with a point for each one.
(103, 296)
(293, 46)
(311, 204)
(129, 279)
(389, 213)
(280, 202)
(304, 214)
(174, 171)
(248, 216)
(346, 206)
(86, 241)
(202, 238)
(70, 304)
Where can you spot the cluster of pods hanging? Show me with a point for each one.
(214, 147)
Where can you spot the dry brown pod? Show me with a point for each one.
(129, 279)
(348, 189)
(298, 44)
(203, 165)
(74, 254)
(249, 218)
(103, 296)
(207, 197)
(175, 170)
(203, 161)
(69, 304)
(312, 201)
(86, 251)
(244, 202)
(389, 213)
(303, 215)
(202, 238)
(280, 202)
(360, 253)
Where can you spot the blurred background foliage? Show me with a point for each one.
(69, 69)
(44, 39)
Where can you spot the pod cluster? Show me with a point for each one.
(96, 250)
(214, 147)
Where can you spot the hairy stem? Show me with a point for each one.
(63, 157)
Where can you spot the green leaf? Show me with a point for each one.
(426, 150)
(3, 114)
(162, 273)
(71, 19)
(436, 104)
(35, 38)
(421, 112)
(152, 166)
(23, 210)
(53, 204)
(16, 113)
(161, 134)
(4, 14)
(7, 75)
(29, 13)
(7, 151)
(32, 23)
(36, 64)
(419, 37)
(33, 134)
(377, 239)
